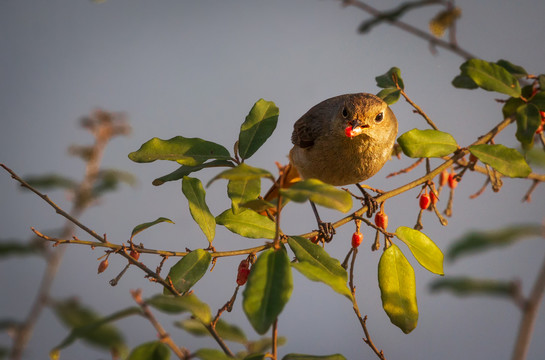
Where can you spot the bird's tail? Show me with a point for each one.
(288, 176)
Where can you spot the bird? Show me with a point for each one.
(343, 140)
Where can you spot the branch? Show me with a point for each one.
(451, 46)
(164, 337)
(529, 317)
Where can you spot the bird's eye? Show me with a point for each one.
(379, 117)
(344, 113)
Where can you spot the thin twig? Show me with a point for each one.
(164, 337)
(412, 30)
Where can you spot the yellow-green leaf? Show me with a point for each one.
(185, 151)
(190, 269)
(139, 228)
(319, 193)
(316, 264)
(423, 249)
(195, 194)
(248, 224)
(179, 304)
(418, 143)
(491, 77)
(397, 285)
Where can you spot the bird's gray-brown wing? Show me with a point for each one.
(313, 124)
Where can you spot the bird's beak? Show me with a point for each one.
(355, 128)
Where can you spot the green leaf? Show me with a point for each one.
(154, 350)
(211, 354)
(185, 170)
(242, 172)
(464, 82)
(225, 330)
(316, 264)
(259, 205)
(515, 70)
(268, 289)
(17, 248)
(541, 81)
(195, 194)
(248, 224)
(389, 79)
(539, 100)
(51, 182)
(389, 95)
(510, 107)
(491, 77)
(255, 357)
(319, 193)
(190, 269)
(242, 191)
(479, 241)
(464, 286)
(423, 249)
(87, 325)
(185, 151)
(398, 289)
(528, 120)
(427, 143)
(507, 161)
(313, 357)
(179, 304)
(257, 128)
(139, 228)
(535, 157)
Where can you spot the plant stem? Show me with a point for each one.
(529, 317)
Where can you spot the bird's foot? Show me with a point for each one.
(369, 201)
(325, 231)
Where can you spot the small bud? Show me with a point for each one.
(443, 178)
(134, 254)
(103, 265)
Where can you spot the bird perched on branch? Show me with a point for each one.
(342, 140)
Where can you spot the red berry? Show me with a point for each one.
(452, 182)
(243, 272)
(103, 265)
(425, 201)
(134, 254)
(443, 178)
(357, 238)
(381, 220)
(348, 131)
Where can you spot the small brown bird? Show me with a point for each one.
(341, 141)
(344, 140)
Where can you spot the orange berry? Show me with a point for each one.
(381, 220)
(443, 178)
(433, 198)
(357, 238)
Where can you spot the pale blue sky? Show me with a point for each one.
(195, 69)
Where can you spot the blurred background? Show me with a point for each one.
(195, 68)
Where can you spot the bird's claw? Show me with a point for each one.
(325, 231)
